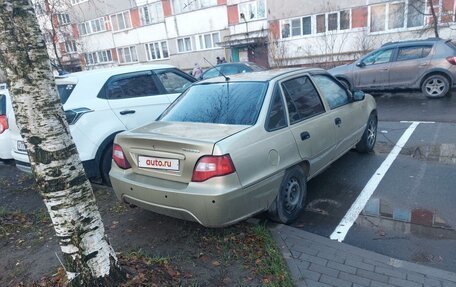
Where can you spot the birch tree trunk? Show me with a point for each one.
(88, 257)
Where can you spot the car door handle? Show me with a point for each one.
(126, 112)
(423, 65)
(384, 69)
(338, 121)
(305, 136)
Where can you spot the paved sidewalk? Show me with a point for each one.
(318, 261)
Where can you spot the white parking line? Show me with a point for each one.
(352, 214)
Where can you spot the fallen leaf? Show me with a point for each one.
(215, 263)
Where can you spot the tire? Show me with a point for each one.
(105, 165)
(435, 86)
(367, 142)
(291, 197)
(345, 83)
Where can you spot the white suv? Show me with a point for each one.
(101, 103)
(6, 113)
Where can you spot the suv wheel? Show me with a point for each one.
(435, 86)
(105, 165)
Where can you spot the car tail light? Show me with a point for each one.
(452, 60)
(212, 166)
(3, 123)
(119, 157)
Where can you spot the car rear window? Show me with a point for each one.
(65, 91)
(235, 103)
(2, 105)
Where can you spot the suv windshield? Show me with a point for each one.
(65, 91)
(236, 103)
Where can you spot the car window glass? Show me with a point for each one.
(232, 103)
(65, 91)
(333, 92)
(410, 53)
(2, 105)
(379, 57)
(302, 99)
(211, 73)
(276, 117)
(231, 69)
(132, 87)
(256, 68)
(173, 82)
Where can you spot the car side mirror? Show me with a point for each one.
(358, 96)
(360, 64)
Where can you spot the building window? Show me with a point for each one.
(182, 6)
(63, 19)
(297, 27)
(151, 14)
(184, 45)
(207, 41)
(321, 23)
(252, 10)
(391, 16)
(344, 20)
(70, 47)
(76, 2)
(121, 21)
(99, 57)
(157, 51)
(127, 55)
(92, 26)
(415, 13)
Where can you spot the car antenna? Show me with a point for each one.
(226, 78)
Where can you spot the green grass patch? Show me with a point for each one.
(272, 265)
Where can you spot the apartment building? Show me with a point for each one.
(325, 33)
(97, 33)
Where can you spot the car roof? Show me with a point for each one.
(262, 76)
(415, 41)
(108, 72)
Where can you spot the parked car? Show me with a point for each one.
(231, 69)
(6, 112)
(226, 150)
(429, 65)
(101, 103)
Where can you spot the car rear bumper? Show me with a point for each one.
(217, 202)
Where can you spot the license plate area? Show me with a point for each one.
(158, 163)
(21, 146)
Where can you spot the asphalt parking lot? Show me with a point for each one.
(410, 213)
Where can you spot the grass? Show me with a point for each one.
(272, 266)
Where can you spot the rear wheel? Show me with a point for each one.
(291, 198)
(367, 142)
(435, 86)
(105, 165)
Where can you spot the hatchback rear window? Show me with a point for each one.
(65, 91)
(236, 103)
(2, 105)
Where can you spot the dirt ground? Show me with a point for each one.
(201, 256)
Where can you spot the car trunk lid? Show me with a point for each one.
(170, 150)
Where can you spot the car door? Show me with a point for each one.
(414, 58)
(173, 81)
(372, 72)
(311, 126)
(136, 98)
(343, 112)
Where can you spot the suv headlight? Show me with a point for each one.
(75, 114)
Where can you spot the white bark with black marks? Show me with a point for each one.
(88, 257)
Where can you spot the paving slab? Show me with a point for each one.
(337, 264)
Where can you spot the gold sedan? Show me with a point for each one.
(229, 148)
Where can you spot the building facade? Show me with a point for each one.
(87, 34)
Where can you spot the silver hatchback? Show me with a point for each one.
(428, 65)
